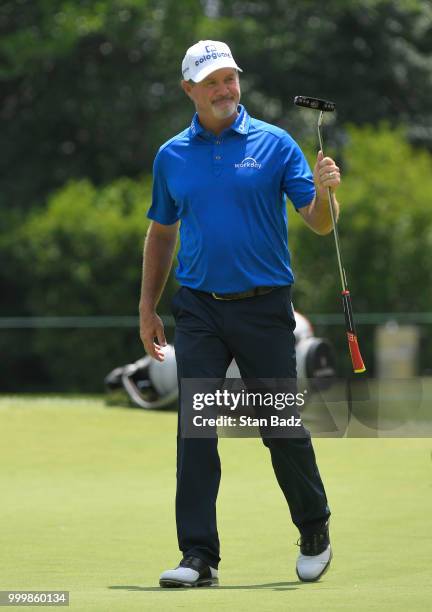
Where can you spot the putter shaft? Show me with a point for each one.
(333, 214)
(356, 357)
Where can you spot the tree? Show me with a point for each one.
(89, 89)
(372, 57)
(81, 255)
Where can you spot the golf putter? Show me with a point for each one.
(356, 358)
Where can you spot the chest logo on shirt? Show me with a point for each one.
(248, 162)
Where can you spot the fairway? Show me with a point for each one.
(87, 497)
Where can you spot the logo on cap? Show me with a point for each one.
(211, 55)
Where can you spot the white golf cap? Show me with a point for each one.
(205, 57)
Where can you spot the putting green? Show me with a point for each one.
(87, 506)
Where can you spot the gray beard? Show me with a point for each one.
(224, 113)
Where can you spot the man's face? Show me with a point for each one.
(217, 96)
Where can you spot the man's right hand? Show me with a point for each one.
(151, 328)
(158, 255)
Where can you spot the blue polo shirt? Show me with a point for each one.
(229, 193)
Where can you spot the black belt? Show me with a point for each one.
(243, 294)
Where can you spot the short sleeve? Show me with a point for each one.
(163, 208)
(297, 181)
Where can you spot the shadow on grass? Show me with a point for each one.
(275, 586)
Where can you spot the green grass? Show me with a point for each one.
(87, 506)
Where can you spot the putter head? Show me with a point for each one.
(315, 103)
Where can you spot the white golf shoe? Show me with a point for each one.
(315, 555)
(191, 572)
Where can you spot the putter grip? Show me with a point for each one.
(356, 358)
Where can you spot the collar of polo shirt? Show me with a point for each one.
(240, 125)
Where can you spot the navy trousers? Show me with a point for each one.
(258, 333)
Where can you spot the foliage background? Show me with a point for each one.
(89, 90)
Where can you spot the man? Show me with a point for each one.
(224, 180)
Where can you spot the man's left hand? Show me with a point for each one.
(326, 174)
